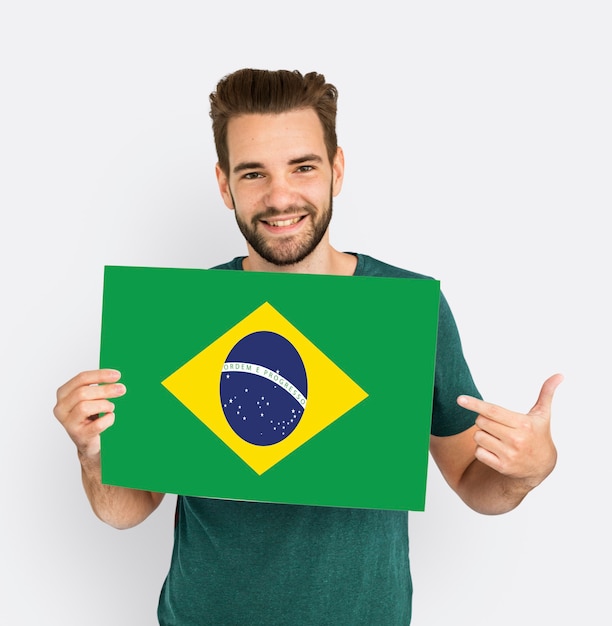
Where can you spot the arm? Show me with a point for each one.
(496, 463)
(79, 402)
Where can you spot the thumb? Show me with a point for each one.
(544, 401)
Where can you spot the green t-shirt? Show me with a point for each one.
(252, 563)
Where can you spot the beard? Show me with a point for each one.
(293, 248)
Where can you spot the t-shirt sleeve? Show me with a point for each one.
(452, 379)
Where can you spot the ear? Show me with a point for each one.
(337, 172)
(224, 188)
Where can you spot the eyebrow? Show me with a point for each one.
(256, 165)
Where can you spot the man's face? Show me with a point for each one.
(280, 183)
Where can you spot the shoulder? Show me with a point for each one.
(234, 264)
(369, 266)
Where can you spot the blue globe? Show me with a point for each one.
(263, 388)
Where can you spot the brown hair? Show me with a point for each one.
(249, 91)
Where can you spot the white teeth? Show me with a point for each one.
(295, 220)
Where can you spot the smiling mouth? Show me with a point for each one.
(281, 223)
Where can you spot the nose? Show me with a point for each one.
(280, 193)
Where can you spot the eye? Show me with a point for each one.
(252, 175)
(305, 168)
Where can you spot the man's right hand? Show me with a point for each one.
(84, 408)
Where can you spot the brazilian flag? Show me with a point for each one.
(274, 387)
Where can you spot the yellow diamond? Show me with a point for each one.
(331, 393)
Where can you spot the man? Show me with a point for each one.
(279, 168)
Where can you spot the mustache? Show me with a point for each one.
(272, 212)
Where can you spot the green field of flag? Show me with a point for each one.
(287, 388)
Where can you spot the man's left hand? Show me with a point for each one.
(514, 444)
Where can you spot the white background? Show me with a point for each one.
(478, 147)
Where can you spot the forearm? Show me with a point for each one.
(497, 462)
(117, 506)
(488, 492)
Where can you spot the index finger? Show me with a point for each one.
(492, 411)
(89, 377)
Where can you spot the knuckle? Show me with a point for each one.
(102, 423)
(478, 436)
(83, 394)
(494, 411)
(83, 377)
(57, 412)
(512, 456)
